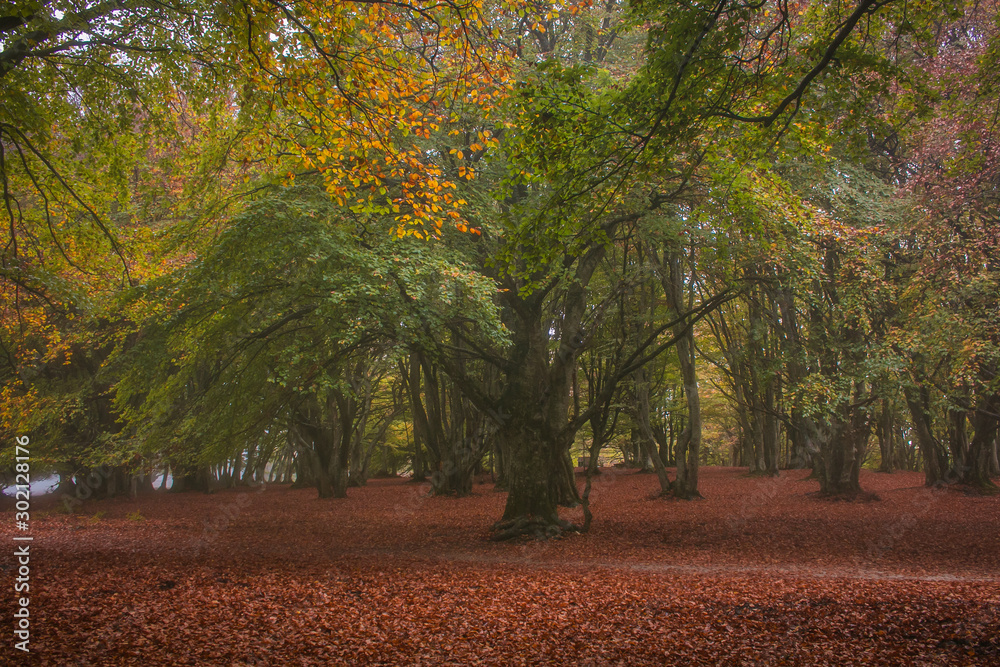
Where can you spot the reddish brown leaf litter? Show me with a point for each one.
(759, 572)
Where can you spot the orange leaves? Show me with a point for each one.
(369, 84)
(464, 228)
(475, 231)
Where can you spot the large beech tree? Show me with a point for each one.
(590, 161)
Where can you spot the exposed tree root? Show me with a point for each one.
(848, 496)
(533, 527)
(970, 489)
(762, 473)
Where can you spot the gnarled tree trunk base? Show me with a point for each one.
(533, 527)
(850, 495)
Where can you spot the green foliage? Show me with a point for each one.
(273, 315)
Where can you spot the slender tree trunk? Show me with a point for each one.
(648, 440)
(688, 447)
(770, 431)
(250, 468)
(499, 466)
(995, 457)
(410, 373)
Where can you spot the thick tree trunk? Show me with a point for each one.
(836, 460)
(330, 465)
(982, 446)
(359, 459)
(456, 472)
(67, 485)
(538, 471)
(329, 469)
(323, 434)
(801, 456)
(935, 459)
(305, 470)
(534, 484)
(536, 433)
(958, 444)
(837, 465)
(532, 412)
(883, 432)
(339, 479)
(193, 478)
(324, 484)
(451, 427)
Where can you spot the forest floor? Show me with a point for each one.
(759, 572)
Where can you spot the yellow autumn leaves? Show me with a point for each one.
(363, 94)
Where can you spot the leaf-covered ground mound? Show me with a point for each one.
(760, 572)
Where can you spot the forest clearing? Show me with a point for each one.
(759, 572)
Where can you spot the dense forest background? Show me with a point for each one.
(318, 243)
